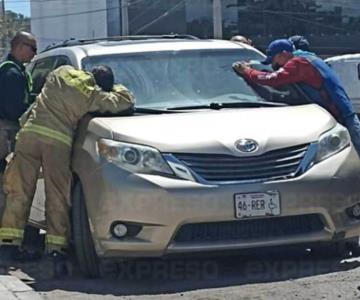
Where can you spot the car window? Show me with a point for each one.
(61, 61)
(43, 67)
(187, 77)
(163, 79)
(39, 72)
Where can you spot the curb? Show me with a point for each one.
(12, 288)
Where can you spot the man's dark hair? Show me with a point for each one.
(300, 42)
(104, 77)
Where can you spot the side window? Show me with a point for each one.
(40, 71)
(61, 61)
(43, 67)
(358, 71)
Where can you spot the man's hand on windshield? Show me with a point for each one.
(240, 67)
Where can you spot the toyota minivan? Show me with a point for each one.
(206, 162)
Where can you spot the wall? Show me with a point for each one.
(57, 20)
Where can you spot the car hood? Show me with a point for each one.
(216, 131)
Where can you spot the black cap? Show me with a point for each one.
(300, 42)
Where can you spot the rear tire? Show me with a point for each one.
(83, 242)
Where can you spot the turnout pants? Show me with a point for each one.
(33, 151)
(8, 131)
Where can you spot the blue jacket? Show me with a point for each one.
(331, 95)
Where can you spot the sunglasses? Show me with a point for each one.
(33, 48)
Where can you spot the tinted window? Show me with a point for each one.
(61, 60)
(43, 67)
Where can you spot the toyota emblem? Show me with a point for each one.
(246, 145)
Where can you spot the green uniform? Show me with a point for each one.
(15, 88)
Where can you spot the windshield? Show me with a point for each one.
(181, 78)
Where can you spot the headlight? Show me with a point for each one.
(332, 142)
(132, 157)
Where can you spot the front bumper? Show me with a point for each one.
(163, 205)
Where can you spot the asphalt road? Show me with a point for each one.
(278, 276)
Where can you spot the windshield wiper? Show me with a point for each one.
(220, 105)
(143, 110)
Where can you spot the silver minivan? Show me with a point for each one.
(207, 162)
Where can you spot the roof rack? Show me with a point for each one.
(77, 42)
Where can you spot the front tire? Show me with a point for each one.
(84, 245)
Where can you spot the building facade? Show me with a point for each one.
(53, 21)
(331, 26)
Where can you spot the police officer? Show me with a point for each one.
(15, 88)
(45, 140)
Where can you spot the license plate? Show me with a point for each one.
(257, 204)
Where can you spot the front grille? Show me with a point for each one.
(245, 230)
(281, 163)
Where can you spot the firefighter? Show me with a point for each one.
(45, 140)
(317, 80)
(15, 87)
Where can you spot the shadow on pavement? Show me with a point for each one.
(159, 276)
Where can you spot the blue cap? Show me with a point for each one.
(276, 47)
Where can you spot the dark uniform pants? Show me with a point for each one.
(32, 152)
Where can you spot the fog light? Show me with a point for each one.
(119, 230)
(122, 229)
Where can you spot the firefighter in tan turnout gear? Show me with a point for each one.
(45, 140)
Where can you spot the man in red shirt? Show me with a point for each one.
(316, 79)
(292, 69)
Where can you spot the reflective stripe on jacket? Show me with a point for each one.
(69, 94)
